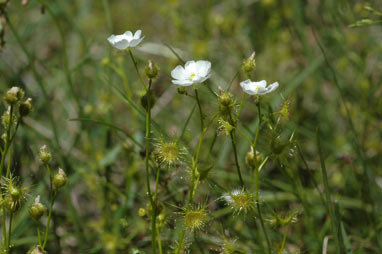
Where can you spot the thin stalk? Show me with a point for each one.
(159, 241)
(53, 197)
(147, 159)
(283, 241)
(9, 233)
(38, 234)
(197, 154)
(259, 211)
(328, 195)
(136, 68)
(232, 135)
(7, 141)
(257, 173)
(4, 229)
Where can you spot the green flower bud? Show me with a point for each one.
(152, 100)
(225, 99)
(45, 155)
(26, 107)
(60, 179)
(151, 70)
(249, 64)
(37, 210)
(253, 160)
(14, 95)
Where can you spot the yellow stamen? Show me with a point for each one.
(192, 76)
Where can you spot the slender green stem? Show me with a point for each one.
(136, 68)
(180, 242)
(257, 173)
(7, 141)
(9, 233)
(283, 241)
(159, 241)
(232, 134)
(4, 229)
(241, 105)
(259, 210)
(53, 197)
(197, 154)
(147, 159)
(38, 233)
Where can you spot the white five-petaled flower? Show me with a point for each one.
(192, 72)
(126, 40)
(258, 88)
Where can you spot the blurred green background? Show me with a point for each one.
(330, 76)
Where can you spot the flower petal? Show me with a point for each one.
(190, 67)
(135, 42)
(118, 41)
(203, 68)
(183, 82)
(129, 35)
(137, 34)
(179, 73)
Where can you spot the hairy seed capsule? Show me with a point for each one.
(60, 179)
(37, 210)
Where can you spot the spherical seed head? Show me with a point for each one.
(151, 70)
(60, 179)
(239, 200)
(45, 155)
(14, 95)
(195, 219)
(167, 152)
(26, 107)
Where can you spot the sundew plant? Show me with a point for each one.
(201, 127)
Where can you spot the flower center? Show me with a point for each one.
(192, 76)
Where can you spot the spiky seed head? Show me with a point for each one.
(239, 200)
(167, 152)
(195, 219)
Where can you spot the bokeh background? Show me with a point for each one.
(330, 77)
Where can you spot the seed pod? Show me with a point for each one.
(26, 107)
(37, 210)
(45, 155)
(60, 179)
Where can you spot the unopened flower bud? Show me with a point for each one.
(105, 61)
(249, 64)
(14, 95)
(60, 179)
(45, 155)
(26, 107)
(142, 212)
(37, 210)
(225, 99)
(151, 70)
(152, 100)
(253, 160)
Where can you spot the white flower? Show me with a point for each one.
(192, 72)
(126, 40)
(258, 88)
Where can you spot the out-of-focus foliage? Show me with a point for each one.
(330, 77)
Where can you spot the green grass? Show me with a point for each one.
(88, 110)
